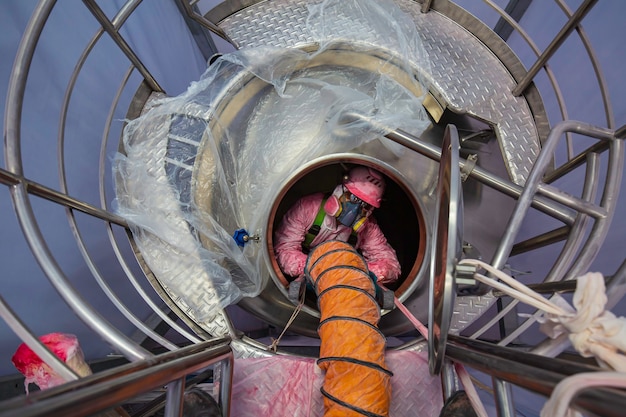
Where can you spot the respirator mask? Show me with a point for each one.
(347, 208)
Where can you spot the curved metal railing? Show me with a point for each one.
(580, 245)
(105, 390)
(22, 188)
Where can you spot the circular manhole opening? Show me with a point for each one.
(400, 218)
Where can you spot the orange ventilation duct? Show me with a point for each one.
(352, 351)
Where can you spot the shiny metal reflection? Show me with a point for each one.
(447, 249)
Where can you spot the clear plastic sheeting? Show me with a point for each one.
(379, 23)
(202, 165)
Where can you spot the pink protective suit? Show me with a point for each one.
(380, 256)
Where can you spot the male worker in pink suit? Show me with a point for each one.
(345, 215)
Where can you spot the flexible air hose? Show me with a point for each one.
(352, 350)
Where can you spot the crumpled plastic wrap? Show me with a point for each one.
(192, 172)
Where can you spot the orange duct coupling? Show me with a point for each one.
(352, 352)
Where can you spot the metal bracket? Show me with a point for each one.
(469, 166)
(464, 274)
(464, 279)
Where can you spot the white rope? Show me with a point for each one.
(514, 289)
(274, 346)
(592, 331)
(564, 392)
(470, 390)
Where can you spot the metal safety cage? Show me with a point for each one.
(529, 181)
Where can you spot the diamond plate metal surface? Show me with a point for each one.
(274, 23)
(186, 283)
(468, 309)
(197, 292)
(215, 321)
(462, 70)
(472, 79)
(244, 350)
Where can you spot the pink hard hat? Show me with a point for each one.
(367, 184)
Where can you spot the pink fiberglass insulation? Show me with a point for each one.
(290, 386)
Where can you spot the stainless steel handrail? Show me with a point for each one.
(21, 187)
(574, 23)
(11, 179)
(114, 243)
(554, 45)
(16, 179)
(191, 11)
(535, 373)
(21, 199)
(59, 280)
(566, 264)
(108, 26)
(95, 272)
(598, 230)
(508, 188)
(21, 330)
(563, 261)
(107, 389)
(534, 180)
(529, 41)
(608, 108)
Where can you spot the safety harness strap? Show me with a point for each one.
(315, 228)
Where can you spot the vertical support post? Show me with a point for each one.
(190, 11)
(449, 381)
(426, 5)
(504, 398)
(200, 35)
(174, 398)
(223, 378)
(515, 9)
(621, 132)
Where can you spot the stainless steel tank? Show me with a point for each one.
(240, 104)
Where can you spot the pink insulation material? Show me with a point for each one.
(290, 386)
(63, 345)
